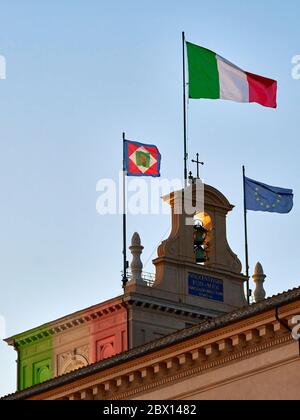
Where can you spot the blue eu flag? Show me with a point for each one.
(262, 197)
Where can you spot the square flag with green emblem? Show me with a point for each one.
(141, 159)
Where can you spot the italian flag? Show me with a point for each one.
(214, 77)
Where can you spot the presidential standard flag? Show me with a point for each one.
(214, 77)
(262, 197)
(141, 159)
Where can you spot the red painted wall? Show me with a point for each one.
(108, 334)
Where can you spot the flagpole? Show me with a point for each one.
(246, 237)
(125, 263)
(184, 112)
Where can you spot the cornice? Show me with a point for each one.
(250, 323)
(215, 364)
(62, 325)
(152, 303)
(184, 370)
(190, 266)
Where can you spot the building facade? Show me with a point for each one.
(187, 334)
(245, 355)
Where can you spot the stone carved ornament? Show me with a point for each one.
(73, 360)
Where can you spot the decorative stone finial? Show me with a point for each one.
(136, 265)
(259, 279)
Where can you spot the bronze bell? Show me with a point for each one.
(200, 234)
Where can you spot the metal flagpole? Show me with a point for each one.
(184, 112)
(246, 237)
(125, 263)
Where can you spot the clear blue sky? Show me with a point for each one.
(78, 74)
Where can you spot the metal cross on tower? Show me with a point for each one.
(197, 161)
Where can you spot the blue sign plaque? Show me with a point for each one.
(206, 287)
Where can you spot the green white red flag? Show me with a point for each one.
(213, 77)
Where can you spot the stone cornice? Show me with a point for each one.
(63, 324)
(184, 361)
(146, 302)
(205, 346)
(213, 196)
(216, 363)
(222, 273)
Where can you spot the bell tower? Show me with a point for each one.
(196, 259)
(197, 275)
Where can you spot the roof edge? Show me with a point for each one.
(175, 338)
(49, 328)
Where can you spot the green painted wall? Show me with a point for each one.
(35, 348)
(35, 364)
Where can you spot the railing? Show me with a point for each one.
(148, 278)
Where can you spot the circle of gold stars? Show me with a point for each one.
(261, 202)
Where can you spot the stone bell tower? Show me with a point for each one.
(221, 272)
(186, 291)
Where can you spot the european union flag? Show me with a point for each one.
(262, 197)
